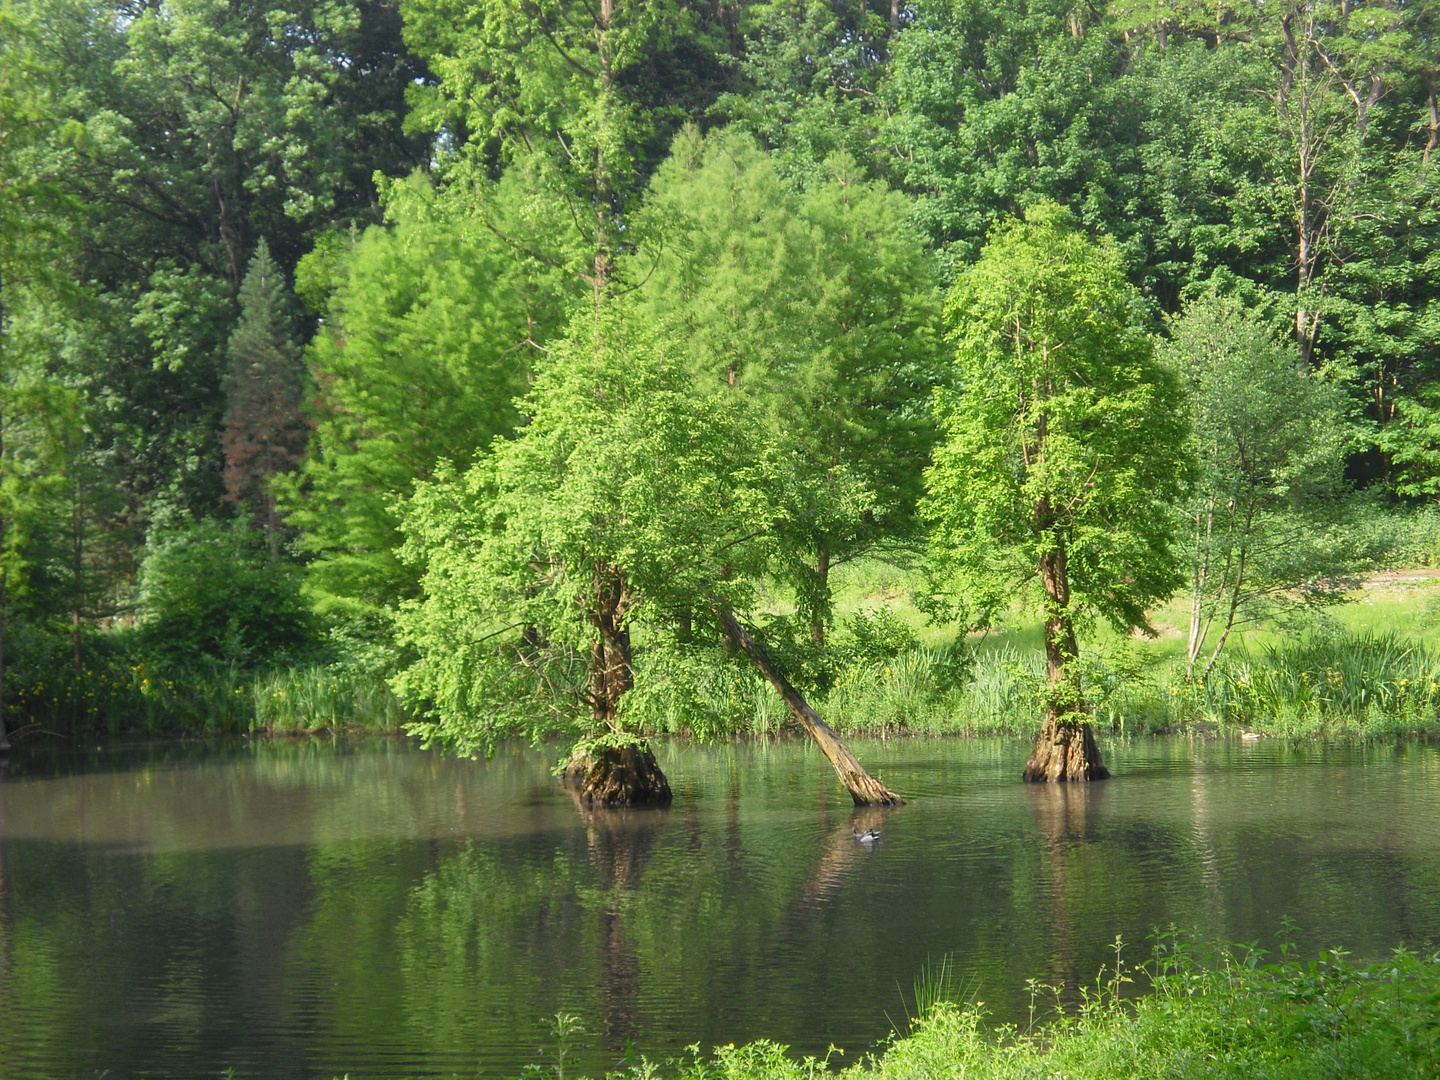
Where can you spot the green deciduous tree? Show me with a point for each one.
(820, 308)
(634, 491)
(1063, 455)
(811, 70)
(548, 88)
(208, 125)
(37, 414)
(430, 333)
(614, 503)
(1270, 437)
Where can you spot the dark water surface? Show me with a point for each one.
(312, 910)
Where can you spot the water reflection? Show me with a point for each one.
(1064, 815)
(620, 844)
(314, 910)
(846, 841)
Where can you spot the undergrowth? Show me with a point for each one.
(1229, 1015)
(115, 691)
(1326, 682)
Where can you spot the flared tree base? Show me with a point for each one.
(1065, 752)
(627, 776)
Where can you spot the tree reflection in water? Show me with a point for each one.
(621, 842)
(1066, 815)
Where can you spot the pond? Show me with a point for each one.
(315, 909)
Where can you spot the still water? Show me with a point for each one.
(308, 910)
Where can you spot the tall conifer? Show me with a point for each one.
(265, 426)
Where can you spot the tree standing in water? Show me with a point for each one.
(1063, 456)
(604, 513)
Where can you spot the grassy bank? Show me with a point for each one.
(1233, 1016)
(1326, 682)
(114, 692)
(1367, 668)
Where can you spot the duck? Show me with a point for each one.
(866, 836)
(1250, 736)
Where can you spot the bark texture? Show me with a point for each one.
(863, 788)
(627, 775)
(624, 776)
(1066, 749)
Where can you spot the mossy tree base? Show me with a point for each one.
(1065, 752)
(619, 776)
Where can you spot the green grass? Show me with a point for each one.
(1233, 1016)
(114, 692)
(1364, 668)
(318, 698)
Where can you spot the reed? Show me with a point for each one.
(317, 698)
(1327, 683)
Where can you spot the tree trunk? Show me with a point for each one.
(77, 600)
(1432, 109)
(1066, 749)
(4, 737)
(625, 775)
(1234, 600)
(863, 788)
(620, 776)
(1199, 579)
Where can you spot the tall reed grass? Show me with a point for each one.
(115, 693)
(315, 698)
(1325, 684)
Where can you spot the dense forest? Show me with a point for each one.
(529, 366)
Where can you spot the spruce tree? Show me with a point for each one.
(265, 426)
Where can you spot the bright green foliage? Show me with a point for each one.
(1233, 1018)
(315, 698)
(616, 505)
(214, 591)
(39, 416)
(1064, 436)
(995, 108)
(429, 336)
(1270, 437)
(820, 308)
(1412, 439)
(548, 87)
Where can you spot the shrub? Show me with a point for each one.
(213, 591)
(1231, 1017)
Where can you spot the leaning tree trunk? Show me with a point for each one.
(863, 788)
(626, 775)
(1066, 749)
